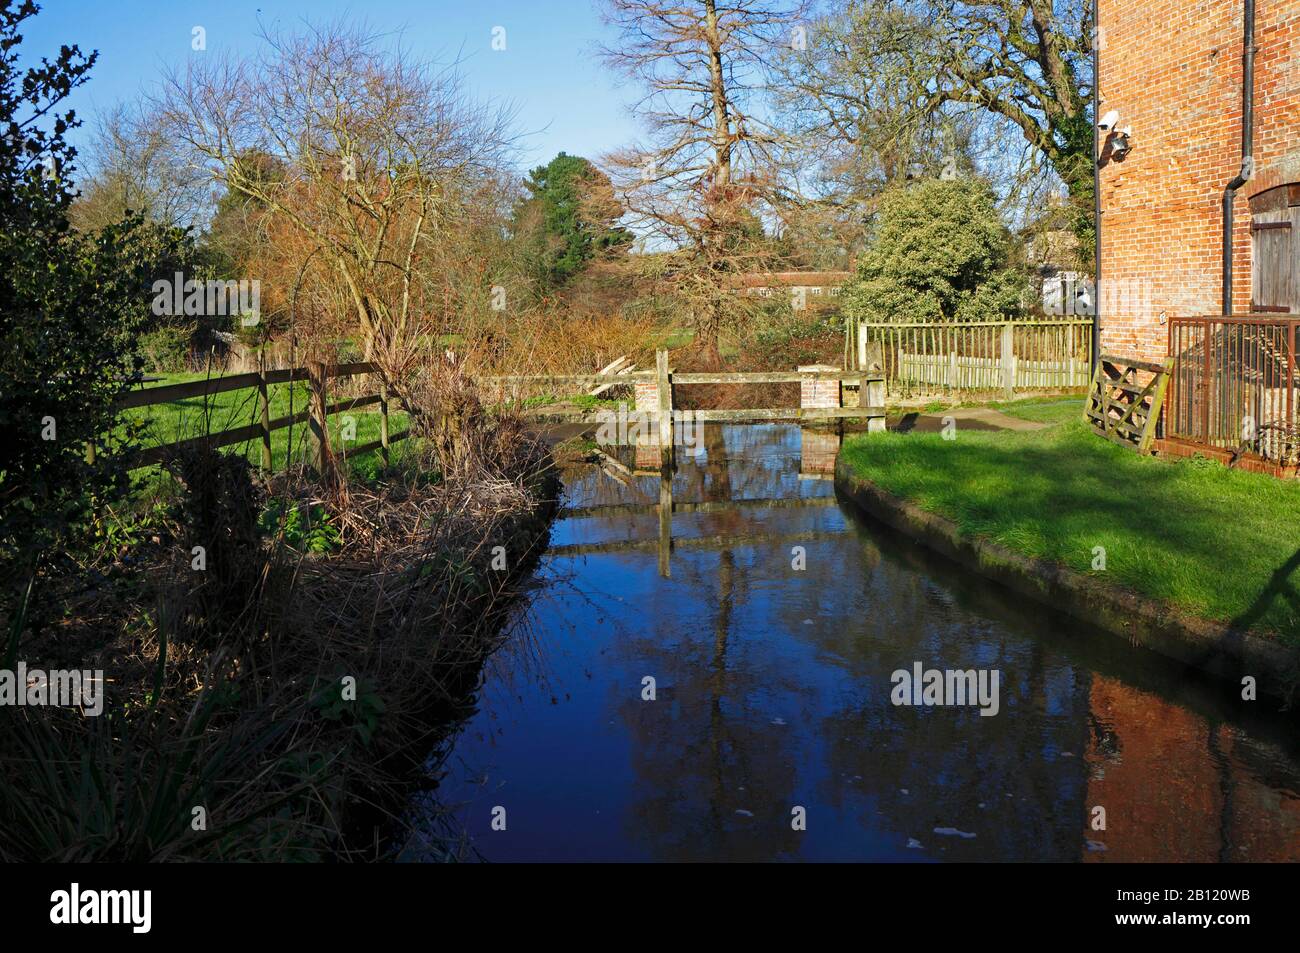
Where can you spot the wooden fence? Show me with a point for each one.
(924, 358)
(315, 414)
(655, 399)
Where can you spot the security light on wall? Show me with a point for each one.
(1120, 145)
(1108, 121)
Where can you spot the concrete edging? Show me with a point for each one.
(1213, 647)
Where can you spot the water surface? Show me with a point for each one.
(772, 693)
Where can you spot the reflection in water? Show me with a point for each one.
(772, 692)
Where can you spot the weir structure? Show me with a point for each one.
(824, 396)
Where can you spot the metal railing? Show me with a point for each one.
(1234, 385)
(924, 358)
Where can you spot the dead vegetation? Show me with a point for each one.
(290, 690)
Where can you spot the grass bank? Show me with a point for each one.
(1214, 543)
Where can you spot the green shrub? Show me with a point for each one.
(73, 306)
(939, 253)
(312, 533)
(166, 350)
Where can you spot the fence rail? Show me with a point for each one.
(925, 358)
(655, 396)
(315, 414)
(1234, 386)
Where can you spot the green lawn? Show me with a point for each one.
(1219, 543)
(193, 416)
(1043, 410)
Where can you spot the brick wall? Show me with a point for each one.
(647, 395)
(1173, 70)
(818, 393)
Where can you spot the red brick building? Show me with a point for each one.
(1173, 70)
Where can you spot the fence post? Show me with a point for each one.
(1008, 359)
(665, 523)
(665, 388)
(383, 419)
(318, 422)
(264, 400)
(872, 393)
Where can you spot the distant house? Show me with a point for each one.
(1052, 255)
(804, 289)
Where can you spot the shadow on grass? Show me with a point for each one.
(1279, 586)
(1200, 537)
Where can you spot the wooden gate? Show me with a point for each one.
(1123, 408)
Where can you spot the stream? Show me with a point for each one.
(711, 677)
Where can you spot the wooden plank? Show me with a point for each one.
(318, 422)
(350, 370)
(383, 419)
(1093, 390)
(287, 375)
(1158, 402)
(345, 405)
(775, 377)
(378, 444)
(1131, 363)
(871, 390)
(664, 385)
(931, 325)
(264, 411)
(290, 420)
(224, 438)
(618, 368)
(788, 413)
(571, 378)
(737, 377)
(207, 387)
(716, 416)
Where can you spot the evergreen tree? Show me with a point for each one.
(70, 306)
(939, 252)
(567, 219)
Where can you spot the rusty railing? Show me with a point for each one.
(1234, 386)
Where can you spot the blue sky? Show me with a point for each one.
(549, 69)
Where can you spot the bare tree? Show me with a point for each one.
(376, 152)
(709, 171)
(135, 166)
(886, 83)
(860, 92)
